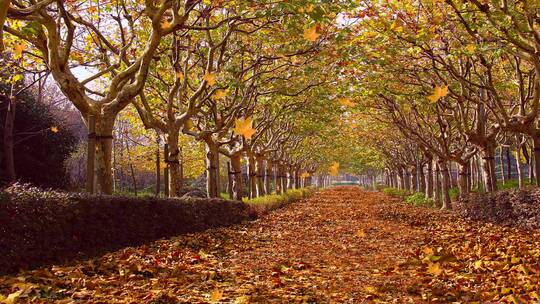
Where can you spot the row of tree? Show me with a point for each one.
(249, 80)
(447, 84)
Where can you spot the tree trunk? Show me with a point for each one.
(536, 149)
(421, 179)
(230, 177)
(290, 179)
(488, 168)
(277, 178)
(401, 179)
(261, 172)
(438, 187)
(212, 169)
(268, 177)
(236, 163)
(104, 144)
(407, 178)
(518, 162)
(463, 179)
(446, 203)
(158, 170)
(414, 179)
(252, 174)
(429, 179)
(173, 162)
(508, 164)
(132, 170)
(501, 165)
(297, 178)
(91, 155)
(9, 126)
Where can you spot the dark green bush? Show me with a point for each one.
(39, 227)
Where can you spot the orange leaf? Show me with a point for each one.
(311, 33)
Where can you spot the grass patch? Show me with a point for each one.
(416, 198)
(395, 192)
(268, 203)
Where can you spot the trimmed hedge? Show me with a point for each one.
(267, 203)
(510, 207)
(39, 227)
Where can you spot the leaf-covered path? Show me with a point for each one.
(343, 245)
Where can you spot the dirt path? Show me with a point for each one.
(343, 245)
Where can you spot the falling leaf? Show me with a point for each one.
(305, 175)
(54, 129)
(360, 233)
(220, 94)
(210, 78)
(334, 169)
(244, 127)
(470, 48)
(346, 102)
(165, 24)
(17, 78)
(311, 33)
(188, 125)
(438, 93)
(18, 50)
(434, 269)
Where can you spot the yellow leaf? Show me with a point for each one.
(305, 175)
(434, 269)
(311, 33)
(18, 49)
(471, 48)
(12, 298)
(220, 94)
(310, 8)
(244, 127)
(301, 10)
(346, 102)
(180, 75)
(478, 264)
(91, 9)
(54, 129)
(428, 251)
(210, 78)
(361, 233)
(216, 295)
(371, 290)
(438, 93)
(207, 2)
(334, 169)
(188, 125)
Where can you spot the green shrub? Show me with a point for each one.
(395, 192)
(419, 199)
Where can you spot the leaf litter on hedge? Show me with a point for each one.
(343, 245)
